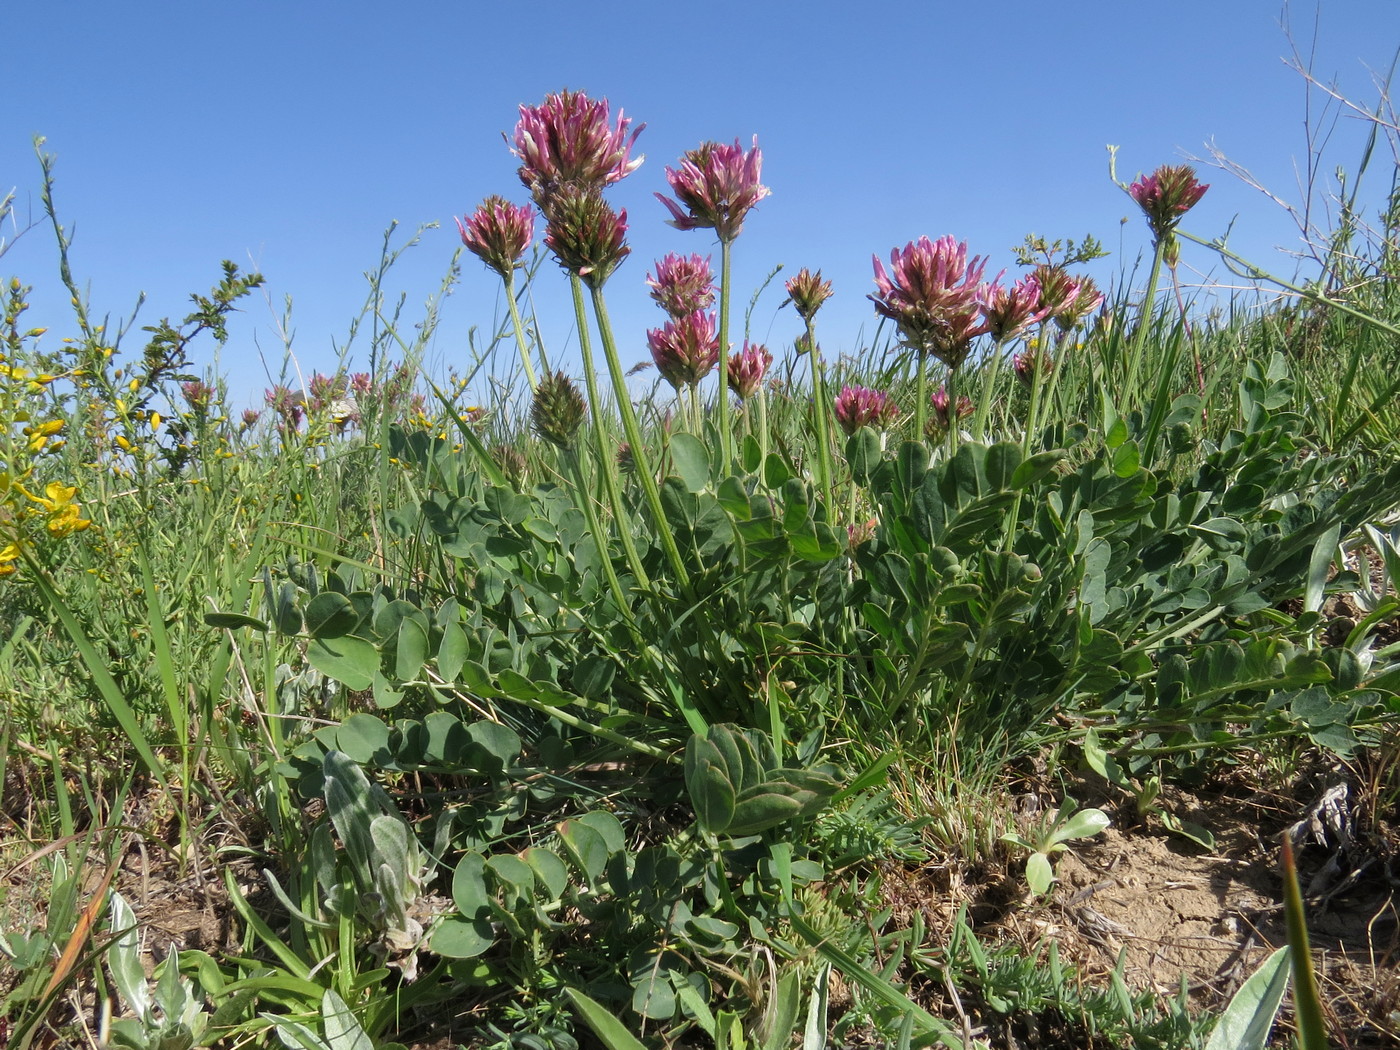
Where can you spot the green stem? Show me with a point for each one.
(519, 327)
(634, 438)
(607, 461)
(920, 395)
(725, 437)
(984, 397)
(595, 529)
(1144, 320)
(822, 414)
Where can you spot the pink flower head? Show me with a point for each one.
(1010, 311)
(287, 403)
(716, 185)
(682, 285)
(747, 369)
(858, 406)
(941, 410)
(249, 419)
(1087, 299)
(1166, 195)
(932, 297)
(686, 350)
(198, 394)
(361, 383)
(498, 233)
(1058, 290)
(585, 234)
(1026, 363)
(807, 291)
(571, 140)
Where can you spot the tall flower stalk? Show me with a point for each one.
(807, 291)
(1164, 197)
(498, 233)
(931, 294)
(716, 186)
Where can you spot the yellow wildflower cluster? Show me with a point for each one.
(32, 428)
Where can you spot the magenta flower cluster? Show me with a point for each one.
(716, 186)
(858, 406)
(571, 140)
(931, 293)
(570, 150)
(682, 284)
(499, 233)
(685, 349)
(747, 369)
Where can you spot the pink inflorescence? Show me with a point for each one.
(571, 140)
(716, 186)
(931, 294)
(747, 369)
(858, 406)
(1009, 311)
(682, 284)
(498, 233)
(686, 350)
(1166, 195)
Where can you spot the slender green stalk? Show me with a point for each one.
(984, 399)
(634, 438)
(920, 395)
(595, 530)
(822, 413)
(1144, 321)
(519, 328)
(607, 461)
(726, 438)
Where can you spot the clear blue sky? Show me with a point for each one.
(286, 134)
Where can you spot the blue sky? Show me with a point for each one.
(287, 134)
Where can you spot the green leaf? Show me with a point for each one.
(1247, 1020)
(233, 621)
(605, 1025)
(411, 652)
(1082, 825)
(455, 938)
(469, 891)
(1039, 874)
(585, 847)
(863, 454)
(330, 615)
(452, 652)
(551, 872)
(691, 460)
(351, 661)
(363, 737)
(707, 779)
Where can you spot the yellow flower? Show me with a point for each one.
(65, 521)
(9, 554)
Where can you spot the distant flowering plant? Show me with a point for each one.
(807, 291)
(943, 410)
(931, 294)
(682, 284)
(686, 349)
(716, 186)
(1166, 195)
(499, 233)
(859, 406)
(572, 140)
(747, 369)
(586, 235)
(1087, 299)
(1026, 363)
(1009, 311)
